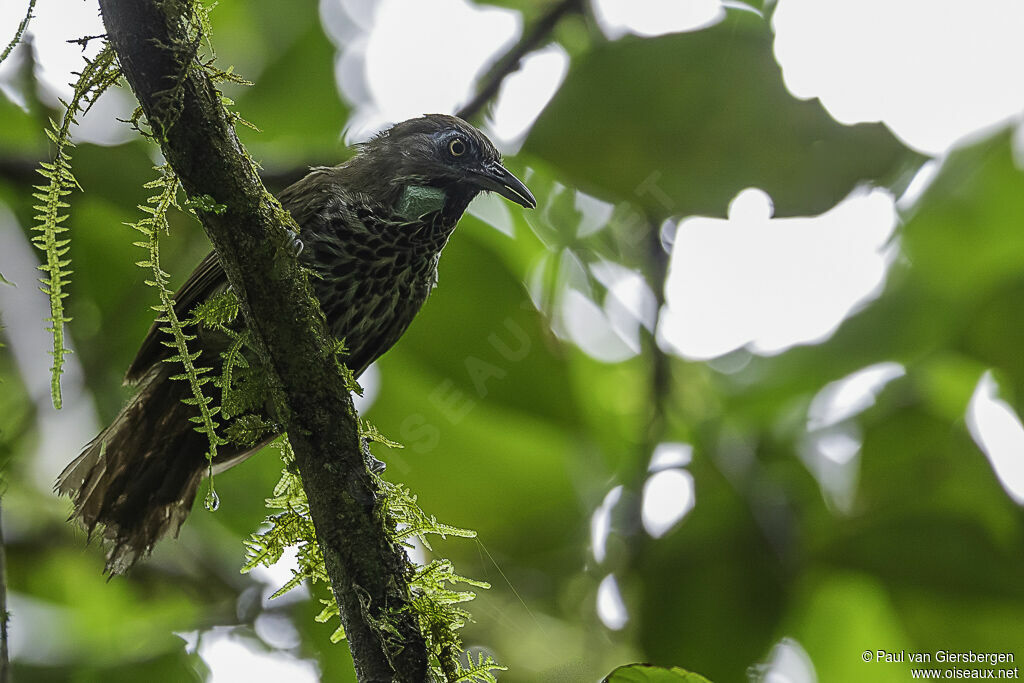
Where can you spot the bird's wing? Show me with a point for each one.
(301, 199)
(204, 281)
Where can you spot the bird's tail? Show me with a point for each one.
(138, 478)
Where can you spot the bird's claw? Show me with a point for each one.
(373, 464)
(295, 244)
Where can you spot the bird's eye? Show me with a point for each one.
(457, 147)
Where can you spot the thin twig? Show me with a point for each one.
(83, 42)
(510, 62)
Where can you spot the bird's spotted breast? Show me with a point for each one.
(372, 274)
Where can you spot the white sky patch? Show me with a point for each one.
(608, 331)
(41, 631)
(921, 181)
(668, 497)
(601, 523)
(277, 575)
(650, 18)
(853, 394)
(277, 631)
(997, 430)
(594, 214)
(838, 446)
(629, 303)
(53, 24)
(611, 608)
(588, 326)
(670, 454)
(370, 382)
(769, 284)
(524, 94)
(493, 210)
(832, 456)
(418, 57)
(787, 663)
(416, 551)
(831, 448)
(932, 70)
(567, 271)
(232, 658)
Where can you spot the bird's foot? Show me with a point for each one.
(373, 464)
(294, 243)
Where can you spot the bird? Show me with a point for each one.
(371, 231)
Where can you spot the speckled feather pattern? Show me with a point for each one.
(372, 270)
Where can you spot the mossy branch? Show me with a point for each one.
(435, 602)
(155, 41)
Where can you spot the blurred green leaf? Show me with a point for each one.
(295, 101)
(681, 123)
(103, 623)
(19, 131)
(963, 238)
(172, 667)
(838, 616)
(647, 673)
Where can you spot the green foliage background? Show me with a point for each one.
(930, 557)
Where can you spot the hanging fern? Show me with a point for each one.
(432, 596)
(151, 226)
(98, 75)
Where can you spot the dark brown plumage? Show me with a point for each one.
(372, 231)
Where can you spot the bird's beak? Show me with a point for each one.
(496, 178)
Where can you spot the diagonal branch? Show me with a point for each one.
(368, 571)
(510, 62)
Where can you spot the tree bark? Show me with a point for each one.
(368, 571)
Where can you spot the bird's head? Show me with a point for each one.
(443, 154)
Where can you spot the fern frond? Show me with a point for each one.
(247, 430)
(369, 432)
(98, 75)
(151, 226)
(217, 311)
(203, 27)
(433, 595)
(481, 671)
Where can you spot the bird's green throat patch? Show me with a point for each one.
(418, 200)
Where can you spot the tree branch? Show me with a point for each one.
(510, 62)
(368, 571)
